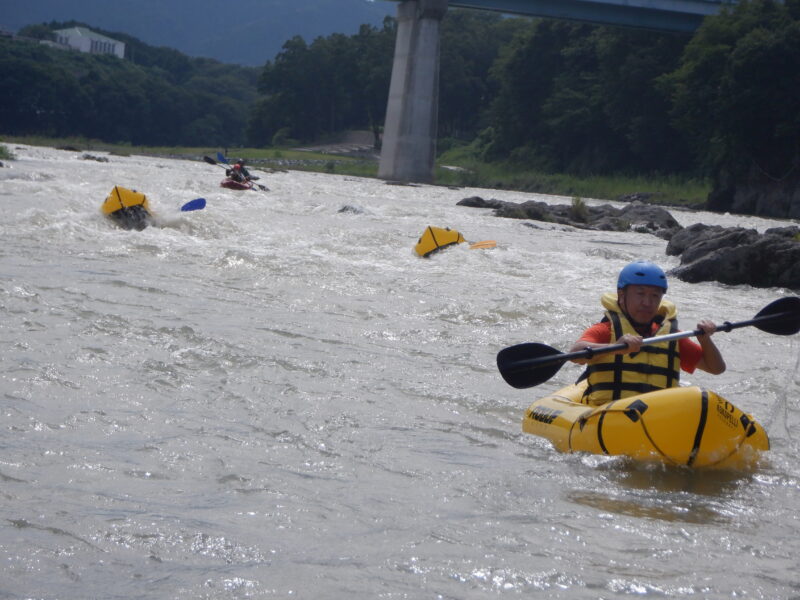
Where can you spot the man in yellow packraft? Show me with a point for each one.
(639, 310)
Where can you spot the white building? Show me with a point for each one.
(86, 40)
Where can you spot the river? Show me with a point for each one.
(273, 397)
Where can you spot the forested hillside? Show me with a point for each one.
(157, 96)
(246, 32)
(342, 82)
(548, 95)
(561, 97)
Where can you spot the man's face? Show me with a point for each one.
(640, 301)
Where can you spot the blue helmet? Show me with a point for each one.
(642, 273)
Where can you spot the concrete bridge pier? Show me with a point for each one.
(409, 133)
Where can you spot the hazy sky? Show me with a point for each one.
(247, 32)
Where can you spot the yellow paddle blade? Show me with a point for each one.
(483, 245)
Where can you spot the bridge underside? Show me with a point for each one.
(409, 138)
(664, 15)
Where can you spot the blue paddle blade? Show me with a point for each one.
(196, 204)
(221, 158)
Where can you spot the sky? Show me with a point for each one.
(248, 32)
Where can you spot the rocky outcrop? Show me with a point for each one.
(643, 218)
(93, 157)
(730, 255)
(735, 255)
(757, 193)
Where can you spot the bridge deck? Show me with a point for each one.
(665, 15)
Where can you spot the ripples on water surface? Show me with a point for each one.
(273, 398)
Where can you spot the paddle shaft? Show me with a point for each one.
(211, 161)
(590, 352)
(529, 364)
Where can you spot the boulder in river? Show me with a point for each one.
(735, 255)
(636, 216)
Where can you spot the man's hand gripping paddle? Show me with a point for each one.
(530, 364)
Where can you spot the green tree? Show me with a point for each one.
(338, 82)
(525, 73)
(635, 105)
(38, 96)
(374, 54)
(736, 95)
(165, 98)
(585, 99)
(38, 32)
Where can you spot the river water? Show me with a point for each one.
(274, 397)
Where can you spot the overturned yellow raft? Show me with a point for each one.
(128, 208)
(685, 426)
(436, 238)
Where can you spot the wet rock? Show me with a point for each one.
(736, 256)
(699, 240)
(402, 183)
(351, 209)
(637, 197)
(792, 231)
(642, 218)
(756, 192)
(95, 158)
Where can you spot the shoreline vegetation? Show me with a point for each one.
(454, 168)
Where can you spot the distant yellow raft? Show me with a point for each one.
(128, 208)
(434, 239)
(685, 426)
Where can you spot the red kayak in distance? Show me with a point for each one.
(232, 184)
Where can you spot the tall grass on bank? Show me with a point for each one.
(277, 158)
(5, 153)
(657, 189)
(456, 167)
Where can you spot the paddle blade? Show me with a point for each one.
(785, 313)
(527, 365)
(196, 204)
(221, 158)
(485, 244)
(209, 160)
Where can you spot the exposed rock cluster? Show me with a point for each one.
(735, 255)
(730, 255)
(644, 218)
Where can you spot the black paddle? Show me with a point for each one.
(211, 161)
(527, 365)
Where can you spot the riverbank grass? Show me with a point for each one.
(456, 167)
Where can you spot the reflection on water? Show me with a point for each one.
(648, 506)
(664, 492)
(669, 479)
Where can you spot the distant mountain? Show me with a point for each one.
(244, 32)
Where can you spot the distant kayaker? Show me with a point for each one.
(639, 310)
(244, 170)
(238, 172)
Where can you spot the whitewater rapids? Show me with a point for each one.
(274, 397)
